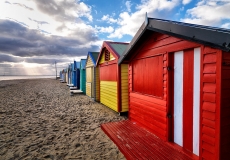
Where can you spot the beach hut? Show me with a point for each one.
(69, 75)
(179, 76)
(113, 89)
(92, 76)
(63, 75)
(60, 75)
(75, 75)
(66, 75)
(78, 75)
(82, 75)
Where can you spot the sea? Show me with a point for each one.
(24, 77)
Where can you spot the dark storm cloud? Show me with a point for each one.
(9, 58)
(44, 61)
(20, 41)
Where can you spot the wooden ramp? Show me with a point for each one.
(137, 143)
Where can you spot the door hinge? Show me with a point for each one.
(169, 115)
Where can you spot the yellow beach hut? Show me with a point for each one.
(92, 76)
(113, 78)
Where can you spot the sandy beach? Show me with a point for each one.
(40, 120)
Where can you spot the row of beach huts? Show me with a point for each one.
(173, 79)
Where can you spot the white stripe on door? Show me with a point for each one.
(178, 97)
(196, 101)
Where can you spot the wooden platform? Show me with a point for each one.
(76, 91)
(137, 143)
(70, 85)
(73, 88)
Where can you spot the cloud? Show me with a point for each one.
(8, 58)
(39, 22)
(50, 16)
(40, 32)
(128, 5)
(226, 25)
(104, 29)
(184, 2)
(26, 42)
(65, 10)
(129, 23)
(109, 19)
(210, 12)
(24, 6)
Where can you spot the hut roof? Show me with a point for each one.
(206, 35)
(94, 56)
(82, 63)
(116, 47)
(76, 65)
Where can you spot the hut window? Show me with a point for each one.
(148, 76)
(107, 55)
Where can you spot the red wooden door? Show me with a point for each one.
(187, 99)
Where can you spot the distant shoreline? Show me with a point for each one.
(2, 78)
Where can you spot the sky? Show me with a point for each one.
(36, 33)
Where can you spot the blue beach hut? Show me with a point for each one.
(82, 75)
(76, 74)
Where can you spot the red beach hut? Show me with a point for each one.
(113, 79)
(179, 85)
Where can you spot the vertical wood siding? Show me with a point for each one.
(108, 94)
(97, 84)
(225, 107)
(188, 99)
(124, 87)
(209, 134)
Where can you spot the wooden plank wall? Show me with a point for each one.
(225, 107)
(82, 80)
(96, 87)
(108, 94)
(209, 131)
(89, 81)
(124, 88)
(88, 89)
(89, 62)
(147, 110)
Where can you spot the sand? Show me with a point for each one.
(40, 120)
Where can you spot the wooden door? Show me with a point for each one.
(186, 107)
